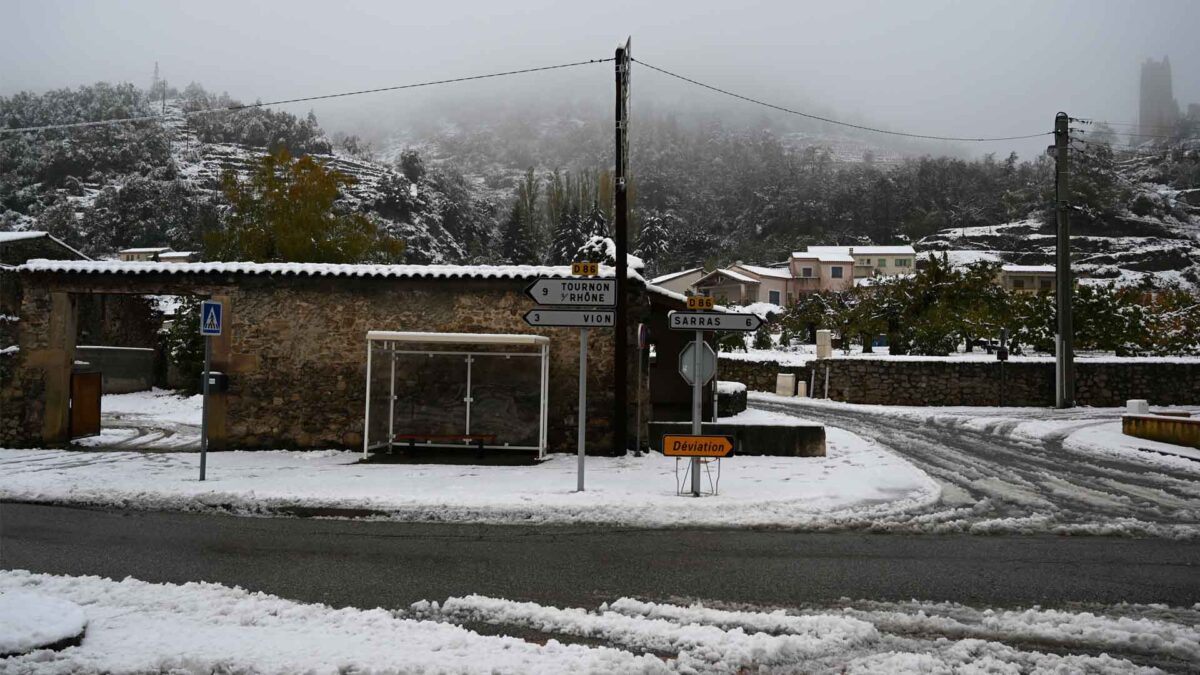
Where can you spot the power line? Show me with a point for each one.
(234, 108)
(838, 122)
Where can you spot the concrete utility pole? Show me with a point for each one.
(621, 223)
(1064, 343)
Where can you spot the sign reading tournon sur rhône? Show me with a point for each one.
(576, 318)
(713, 321)
(574, 292)
(690, 445)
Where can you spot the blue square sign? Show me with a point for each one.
(210, 317)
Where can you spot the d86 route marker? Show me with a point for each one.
(574, 292)
(700, 302)
(572, 318)
(691, 445)
(585, 269)
(713, 321)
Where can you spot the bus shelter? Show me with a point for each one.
(456, 390)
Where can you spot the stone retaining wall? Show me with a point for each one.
(982, 383)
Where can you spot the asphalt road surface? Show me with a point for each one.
(368, 564)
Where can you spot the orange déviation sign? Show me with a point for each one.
(696, 446)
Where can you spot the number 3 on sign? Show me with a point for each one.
(585, 269)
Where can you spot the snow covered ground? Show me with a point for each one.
(802, 354)
(147, 420)
(138, 627)
(856, 479)
(34, 620)
(1024, 470)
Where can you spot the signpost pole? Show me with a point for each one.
(583, 337)
(697, 397)
(204, 406)
(637, 439)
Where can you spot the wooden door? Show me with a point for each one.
(85, 404)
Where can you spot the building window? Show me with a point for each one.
(1046, 284)
(902, 262)
(835, 272)
(867, 261)
(882, 262)
(1018, 284)
(806, 271)
(791, 299)
(773, 297)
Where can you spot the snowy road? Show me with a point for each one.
(1008, 470)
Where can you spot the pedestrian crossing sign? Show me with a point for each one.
(210, 317)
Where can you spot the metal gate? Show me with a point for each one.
(85, 403)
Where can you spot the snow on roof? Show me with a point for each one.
(824, 257)
(1028, 269)
(674, 275)
(6, 237)
(864, 250)
(17, 236)
(310, 269)
(736, 276)
(773, 272)
(152, 249)
(176, 254)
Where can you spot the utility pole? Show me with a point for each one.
(621, 221)
(1064, 343)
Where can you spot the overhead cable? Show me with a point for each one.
(234, 108)
(839, 122)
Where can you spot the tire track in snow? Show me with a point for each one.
(1014, 484)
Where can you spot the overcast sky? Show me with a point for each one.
(937, 67)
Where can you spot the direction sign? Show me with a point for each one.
(691, 445)
(578, 318)
(574, 292)
(741, 321)
(210, 317)
(687, 363)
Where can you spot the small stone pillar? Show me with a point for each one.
(824, 344)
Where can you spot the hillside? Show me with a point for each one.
(158, 182)
(1148, 235)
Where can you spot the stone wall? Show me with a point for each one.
(296, 377)
(295, 352)
(946, 382)
(757, 375)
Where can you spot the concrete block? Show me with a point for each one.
(802, 389)
(1137, 406)
(785, 384)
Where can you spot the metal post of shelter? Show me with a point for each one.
(367, 411)
(392, 399)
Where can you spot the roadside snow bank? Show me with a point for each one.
(31, 621)
(857, 480)
(139, 627)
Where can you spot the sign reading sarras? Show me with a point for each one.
(574, 292)
(736, 321)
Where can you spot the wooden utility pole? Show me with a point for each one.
(621, 223)
(1064, 343)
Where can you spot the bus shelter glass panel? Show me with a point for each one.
(506, 399)
(474, 394)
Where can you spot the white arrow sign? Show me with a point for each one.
(579, 318)
(564, 292)
(713, 321)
